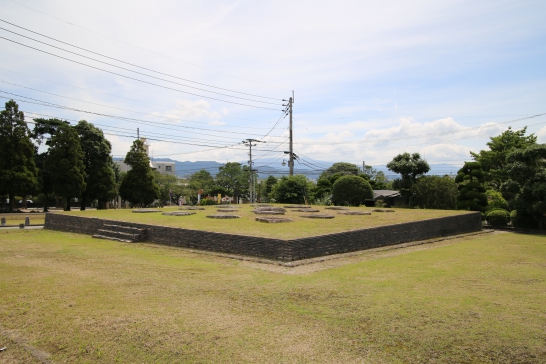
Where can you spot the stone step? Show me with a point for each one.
(98, 236)
(127, 229)
(134, 236)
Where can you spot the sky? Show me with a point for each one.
(370, 79)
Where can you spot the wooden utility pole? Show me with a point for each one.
(251, 178)
(291, 149)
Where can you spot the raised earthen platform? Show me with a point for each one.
(270, 248)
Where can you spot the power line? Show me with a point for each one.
(136, 79)
(131, 64)
(132, 45)
(49, 104)
(422, 135)
(113, 107)
(139, 73)
(121, 97)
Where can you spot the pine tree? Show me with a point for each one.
(65, 164)
(470, 181)
(44, 129)
(18, 173)
(100, 180)
(138, 185)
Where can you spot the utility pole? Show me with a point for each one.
(290, 152)
(251, 181)
(138, 134)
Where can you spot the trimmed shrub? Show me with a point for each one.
(497, 217)
(523, 220)
(351, 190)
(206, 202)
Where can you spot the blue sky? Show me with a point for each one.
(371, 79)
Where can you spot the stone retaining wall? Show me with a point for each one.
(281, 249)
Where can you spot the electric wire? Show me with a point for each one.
(136, 79)
(117, 108)
(133, 45)
(131, 64)
(140, 73)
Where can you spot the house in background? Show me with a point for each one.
(161, 167)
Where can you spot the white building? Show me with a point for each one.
(161, 167)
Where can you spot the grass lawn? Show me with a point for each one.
(479, 299)
(246, 225)
(16, 219)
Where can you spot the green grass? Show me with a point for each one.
(246, 225)
(477, 300)
(16, 219)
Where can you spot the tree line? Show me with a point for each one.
(508, 179)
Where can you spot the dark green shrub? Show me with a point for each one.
(206, 202)
(351, 190)
(497, 217)
(523, 220)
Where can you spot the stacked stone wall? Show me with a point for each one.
(294, 249)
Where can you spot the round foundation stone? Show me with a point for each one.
(273, 220)
(227, 210)
(222, 216)
(336, 208)
(378, 210)
(318, 216)
(297, 206)
(178, 213)
(143, 211)
(191, 208)
(268, 212)
(306, 210)
(354, 213)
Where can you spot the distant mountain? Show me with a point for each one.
(274, 167)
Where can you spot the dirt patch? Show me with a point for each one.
(19, 351)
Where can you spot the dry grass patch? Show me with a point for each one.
(246, 225)
(88, 300)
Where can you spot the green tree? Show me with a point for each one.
(323, 189)
(494, 162)
(434, 192)
(495, 200)
(291, 189)
(409, 166)
(351, 190)
(168, 185)
(18, 173)
(234, 178)
(100, 179)
(470, 181)
(341, 168)
(270, 182)
(43, 130)
(65, 164)
(375, 178)
(138, 185)
(526, 169)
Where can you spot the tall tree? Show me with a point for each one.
(409, 166)
(292, 189)
(100, 178)
(138, 185)
(351, 190)
(526, 169)
(435, 192)
(234, 178)
(43, 130)
(65, 164)
(494, 162)
(341, 168)
(18, 173)
(470, 181)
